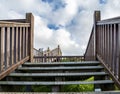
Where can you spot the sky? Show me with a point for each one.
(67, 23)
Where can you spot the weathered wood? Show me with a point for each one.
(106, 44)
(54, 83)
(57, 74)
(118, 54)
(14, 43)
(58, 58)
(13, 24)
(65, 63)
(2, 31)
(27, 41)
(12, 68)
(109, 71)
(60, 68)
(97, 17)
(30, 19)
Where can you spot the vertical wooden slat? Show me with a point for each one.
(103, 42)
(15, 43)
(25, 43)
(6, 55)
(110, 50)
(108, 39)
(11, 45)
(16, 46)
(2, 30)
(19, 43)
(114, 54)
(117, 51)
(118, 54)
(24, 40)
(107, 44)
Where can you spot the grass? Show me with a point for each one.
(79, 88)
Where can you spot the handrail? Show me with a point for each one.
(37, 52)
(107, 46)
(16, 43)
(109, 21)
(89, 53)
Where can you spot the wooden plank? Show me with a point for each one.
(23, 42)
(27, 41)
(6, 47)
(30, 19)
(119, 52)
(61, 68)
(55, 83)
(57, 74)
(16, 45)
(117, 82)
(13, 24)
(12, 68)
(12, 32)
(19, 44)
(64, 63)
(2, 31)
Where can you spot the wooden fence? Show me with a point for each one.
(16, 43)
(104, 45)
(58, 58)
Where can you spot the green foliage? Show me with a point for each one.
(79, 88)
(41, 88)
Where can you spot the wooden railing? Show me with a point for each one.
(37, 52)
(16, 43)
(58, 58)
(90, 52)
(106, 45)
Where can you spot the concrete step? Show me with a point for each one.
(54, 82)
(82, 63)
(56, 74)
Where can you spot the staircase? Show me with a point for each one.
(56, 75)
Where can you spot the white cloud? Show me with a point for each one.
(76, 18)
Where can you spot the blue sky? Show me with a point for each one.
(64, 22)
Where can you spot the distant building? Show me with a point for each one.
(54, 52)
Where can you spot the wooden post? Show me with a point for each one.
(1, 48)
(97, 17)
(30, 19)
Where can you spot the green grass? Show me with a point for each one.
(79, 88)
